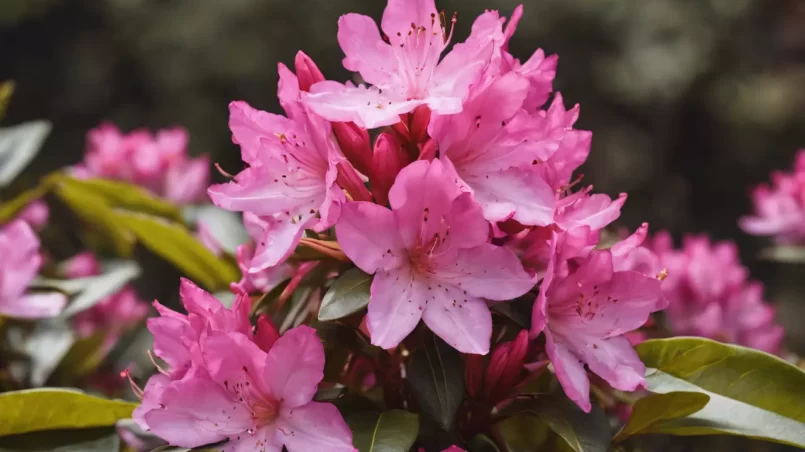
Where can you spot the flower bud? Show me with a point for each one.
(387, 160)
(354, 143)
(419, 120)
(349, 180)
(429, 150)
(473, 374)
(306, 71)
(505, 368)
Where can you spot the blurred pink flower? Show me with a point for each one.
(158, 163)
(19, 265)
(780, 207)
(710, 294)
(36, 214)
(431, 259)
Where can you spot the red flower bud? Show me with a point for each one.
(306, 71)
(418, 123)
(354, 142)
(429, 150)
(349, 180)
(387, 161)
(473, 374)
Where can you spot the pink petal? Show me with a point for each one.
(313, 426)
(249, 126)
(463, 321)
(487, 271)
(515, 193)
(267, 333)
(262, 439)
(186, 182)
(539, 315)
(279, 240)
(366, 233)
(395, 306)
(399, 16)
(366, 107)
(596, 211)
(612, 359)
(365, 51)
(34, 305)
(169, 334)
(569, 371)
(295, 366)
(468, 227)
(235, 362)
(197, 300)
(21, 260)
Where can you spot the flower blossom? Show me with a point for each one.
(403, 66)
(290, 183)
(227, 383)
(158, 163)
(585, 309)
(710, 294)
(780, 208)
(432, 260)
(19, 265)
(266, 279)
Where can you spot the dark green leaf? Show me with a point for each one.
(482, 443)
(177, 245)
(517, 310)
(33, 410)
(348, 295)
(390, 431)
(752, 393)
(583, 432)
(651, 414)
(329, 394)
(103, 439)
(436, 373)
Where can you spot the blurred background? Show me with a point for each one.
(691, 102)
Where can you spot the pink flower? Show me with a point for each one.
(586, 313)
(710, 294)
(158, 162)
(291, 179)
(254, 390)
(403, 66)
(261, 281)
(19, 265)
(780, 208)
(36, 214)
(432, 260)
(81, 265)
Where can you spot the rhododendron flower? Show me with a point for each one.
(431, 259)
(710, 294)
(19, 265)
(403, 66)
(780, 208)
(159, 163)
(263, 280)
(586, 313)
(290, 181)
(36, 214)
(254, 390)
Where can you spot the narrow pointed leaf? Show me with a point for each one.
(390, 431)
(436, 374)
(752, 393)
(18, 146)
(653, 413)
(126, 196)
(97, 288)
(348, 295)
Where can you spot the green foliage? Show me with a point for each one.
(49, 409)
(652, 414)
(583, 432)
(390, 431)
(103, 439)
(348, 295)
(752, 393)
(436, 374)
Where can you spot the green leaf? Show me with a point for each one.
(583, 432)
(652, 413)
(174, 243)
(348, 295)
(126, 196)
(104, 439)
(329, 394)
(33, 410)
(18, 146)
(390, 431)
(752, 393)
(96, 288)
(483, 443)
(436, 374)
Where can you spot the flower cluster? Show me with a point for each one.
(159, 163)
(470, 195)
(229, 382)
(710, 294)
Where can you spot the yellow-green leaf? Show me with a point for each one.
(6, 91)
(126, 196)
(175, 243)
(752, 393)
(33, 410)
(651, 414)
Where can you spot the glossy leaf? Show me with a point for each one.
(752, 393)
(348, 295)
(18, 146)
(33, 410)
(652, 413)
(174, 243)
(390, 431)
(436, 374)
(583, 432)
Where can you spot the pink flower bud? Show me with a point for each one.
(505, 368)
(266, 334)
(81, 265)
(418, 123)
(354, 142)
(387, 161)
(306, 71)
(35, 214)
(349, 180)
